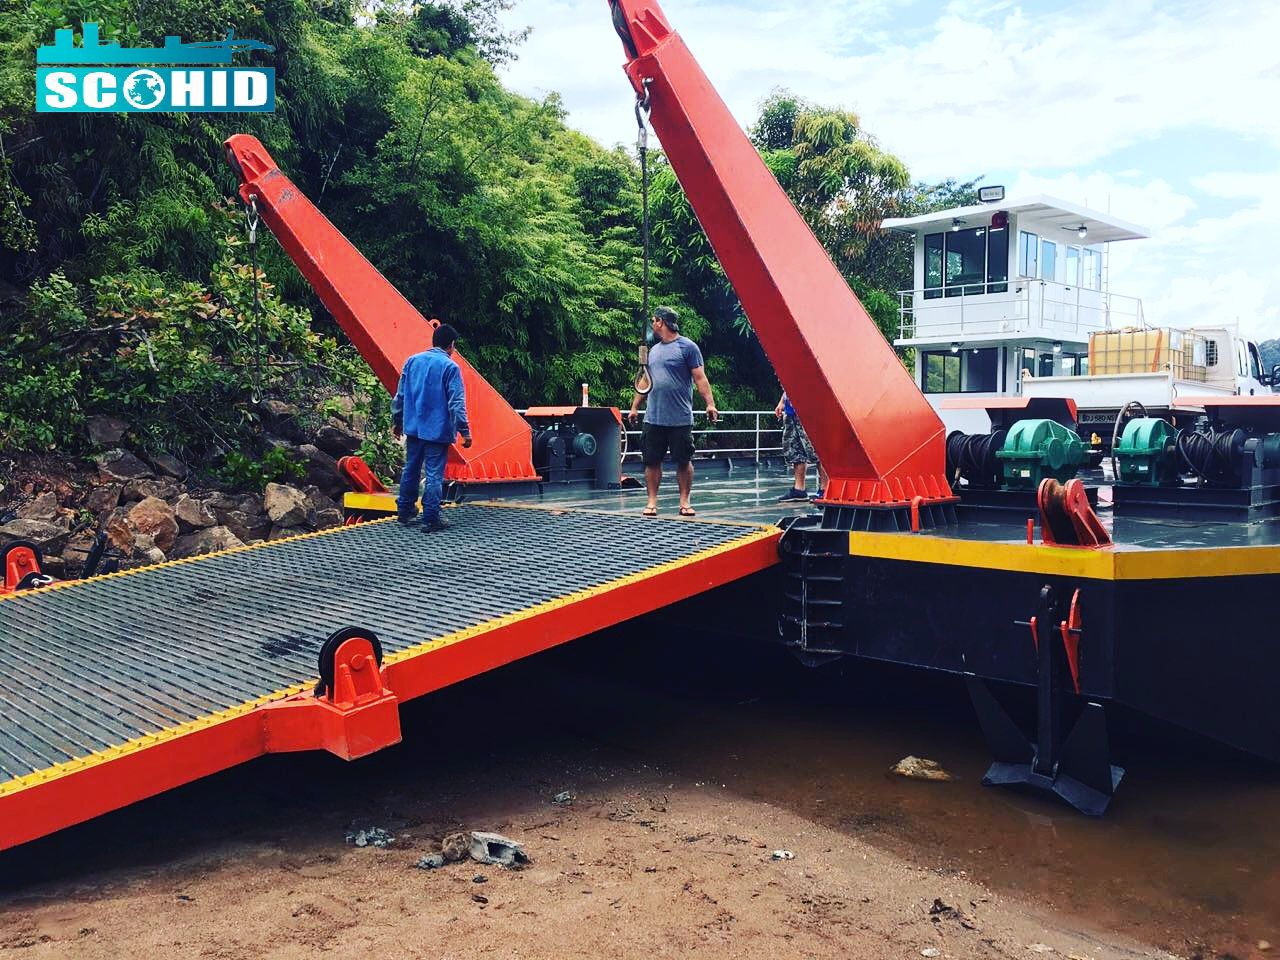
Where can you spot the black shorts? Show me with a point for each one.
(657, 440)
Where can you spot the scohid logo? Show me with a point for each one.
(143, 80)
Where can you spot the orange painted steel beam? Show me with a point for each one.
(157, 763)
(382, 324)
(879, 439)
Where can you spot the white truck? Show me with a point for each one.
(1163, 369)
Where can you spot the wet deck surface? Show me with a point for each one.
(743, 493)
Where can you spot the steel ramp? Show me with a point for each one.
(121, 687)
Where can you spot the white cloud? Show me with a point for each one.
(990, 85)
(1196, 269)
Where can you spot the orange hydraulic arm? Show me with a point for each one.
(382, 324)
(879, 439)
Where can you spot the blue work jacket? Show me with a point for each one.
(430, 402)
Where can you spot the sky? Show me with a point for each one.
(1165, 112)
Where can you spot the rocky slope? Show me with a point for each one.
(154, 508)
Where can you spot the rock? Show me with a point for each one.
(322, 470)
(54, 566)
(48, 536)
(102, 499)
(43, 507)
(154, 555)
(1040, 948)
(917, 768)
(1264, 945)
(455, 847)
(563, 797)
(107, 431)
(208, 540)
(317, 500)
(222, 505)
(432, 861)
(930, 952)
(497, 849)
(247, 527)
(372, 837)
(121, 465)
(76, 552)
(169, 466)
(155, 517)
(192, 514)
(136, 490)
(283, 533)
(119, 531)
(329, 518)
(783, 855)
(281, 418)
(286, 506)
(338, 441)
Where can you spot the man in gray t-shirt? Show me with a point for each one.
(675, 368)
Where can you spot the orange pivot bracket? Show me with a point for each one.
(352, 713)
(380, 322)
(21, 563)
(1066, 519)
(1071, 629)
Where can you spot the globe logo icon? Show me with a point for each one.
(143, 89)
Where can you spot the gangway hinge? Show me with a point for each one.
(351, 713)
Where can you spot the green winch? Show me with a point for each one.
(1036, 449)
(1147, 453)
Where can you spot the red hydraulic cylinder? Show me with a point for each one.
(879, 439)
(382, 324)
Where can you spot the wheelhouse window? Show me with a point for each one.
(966, 371)
(1092, 270)
(933, 266)
(998, 260)
(966, 261)
(1028, 254)
(1048, 260)
(1073, 267)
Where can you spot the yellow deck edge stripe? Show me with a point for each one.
(201, 558)
(75, 765)
(1105, 564)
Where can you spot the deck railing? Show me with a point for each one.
(740, 435)
(1022, 306)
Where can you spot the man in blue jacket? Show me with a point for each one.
(430, 410)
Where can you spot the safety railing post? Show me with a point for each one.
(757, 438)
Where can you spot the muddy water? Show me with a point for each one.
(1188, 857)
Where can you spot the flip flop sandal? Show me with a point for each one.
(688, 512)
(649, 512)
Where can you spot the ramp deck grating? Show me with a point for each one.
(86, 667)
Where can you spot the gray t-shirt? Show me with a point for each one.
(671, 367)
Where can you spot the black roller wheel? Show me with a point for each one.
(329, 650)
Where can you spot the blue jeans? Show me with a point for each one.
(420, 454)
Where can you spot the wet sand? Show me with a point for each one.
(691, 759)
